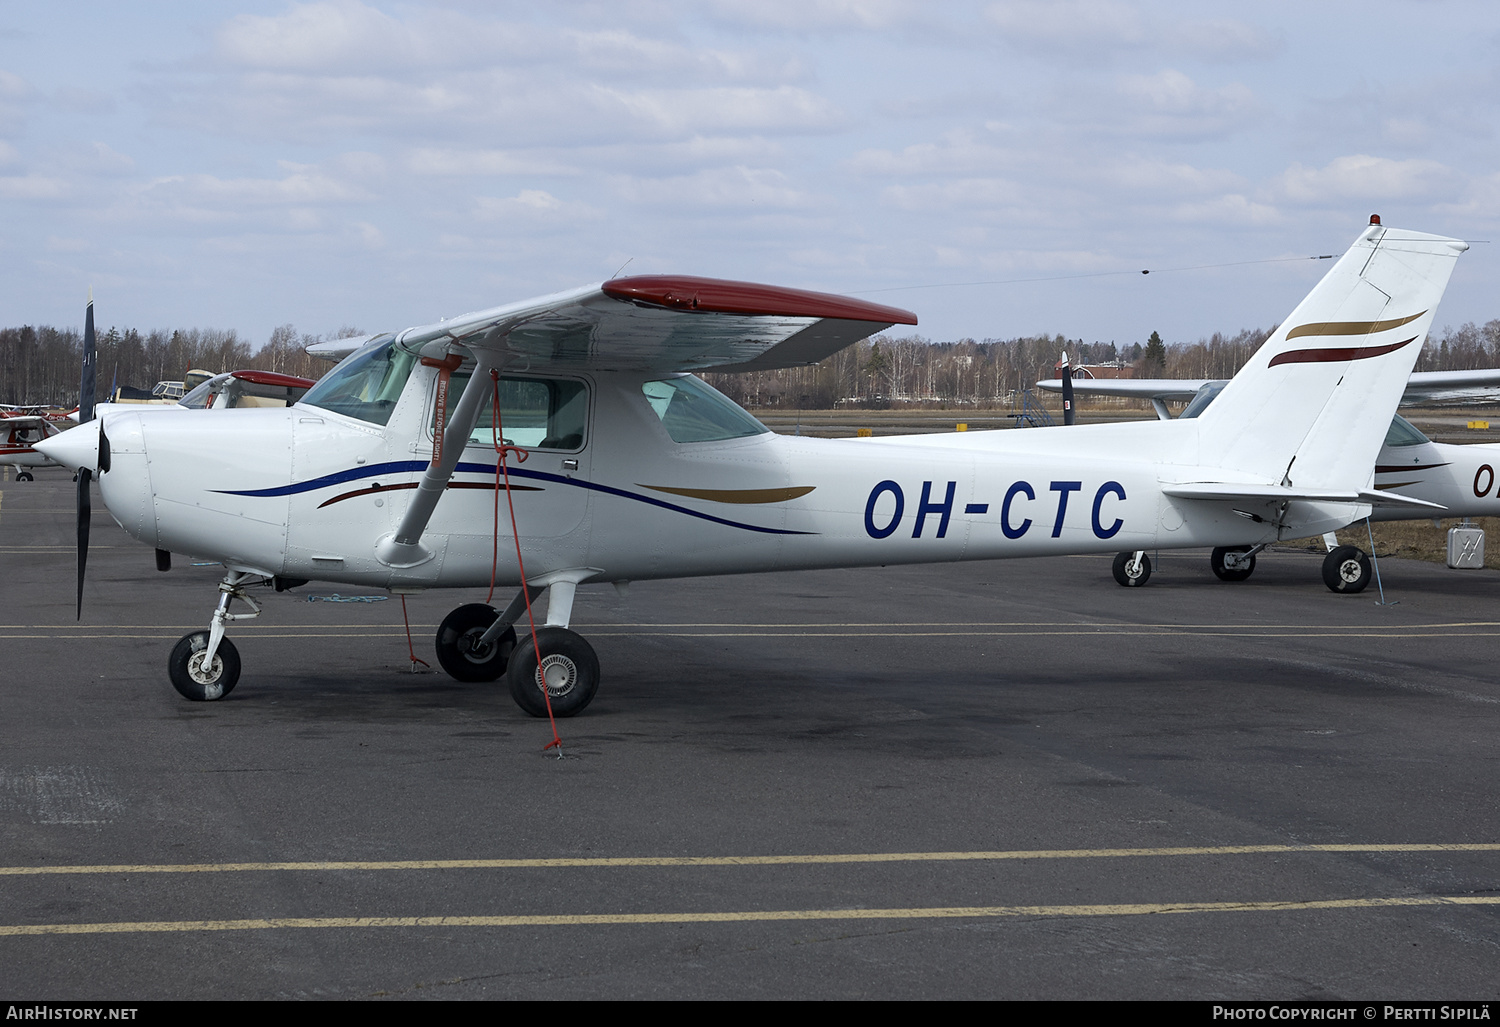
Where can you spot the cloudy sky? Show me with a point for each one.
(244, 164)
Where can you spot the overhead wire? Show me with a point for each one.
(1092, 274)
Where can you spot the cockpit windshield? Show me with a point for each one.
(367, 384)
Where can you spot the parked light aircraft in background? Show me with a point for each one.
(21, 428)
(1461, 479)
(622, 465)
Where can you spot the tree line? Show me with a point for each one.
(41, 364)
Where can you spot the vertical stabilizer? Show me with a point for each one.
(1311, 408)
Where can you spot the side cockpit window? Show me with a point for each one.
(535, 413)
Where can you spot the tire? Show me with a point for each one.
(23, 476)
(572, 672)
(1142, 571)
(455, 644)
(1216, 561)
(1346, 569)
(185, 668)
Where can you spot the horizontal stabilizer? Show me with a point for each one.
(1422, 387)
(1232, 492)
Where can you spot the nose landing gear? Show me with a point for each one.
(205, 665)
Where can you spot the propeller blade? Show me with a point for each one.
(86, 387)
(85, 518)
(86, 384)
(1070, 416)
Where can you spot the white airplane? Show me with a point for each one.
(1459, 479)
(248, 388)
(21, 428)
(620, 465)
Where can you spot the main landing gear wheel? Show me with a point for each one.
(460, 650)
(1131, 573)
(569, 669)
(26, 476)
(1231, 564)
(1346, 569)
(198, 682)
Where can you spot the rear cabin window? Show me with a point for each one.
(535, 413)
(693, 411)
(1403, 433)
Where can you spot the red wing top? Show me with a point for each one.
(668, 323)
(286, 381)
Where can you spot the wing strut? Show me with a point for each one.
(403, 548)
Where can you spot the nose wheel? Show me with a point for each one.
(205, 665)
(1132, 570)
(199, 677)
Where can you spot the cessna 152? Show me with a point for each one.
(628, 467)
(1460, 479)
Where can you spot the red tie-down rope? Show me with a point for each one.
(502, 452)
(411, 649)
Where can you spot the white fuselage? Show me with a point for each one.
(1463, 479)
(307, 493)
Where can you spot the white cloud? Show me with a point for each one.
(300, 188)
(13, 86)
(1069, 24)
(345, 36)
(969, 194)
(728, 109)
(439, 161)
(1170, 103)
(1225, 41)
(809, 15)
(316, 36)
(1363, 177)
(31, 187)
(726, 188)
(959, 154)
(1148, 175)
(110, 161)
(1231, 209)
(533, 208)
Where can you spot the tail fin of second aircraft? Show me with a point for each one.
(1311, 408)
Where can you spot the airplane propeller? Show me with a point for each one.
(1070, 416)
(86, 386)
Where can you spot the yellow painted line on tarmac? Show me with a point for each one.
(745, 916)
(741, 861)
(805, 626)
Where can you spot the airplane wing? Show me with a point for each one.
(667, 323)
(1133, 388)
(1422, 387)
(335, 350)
(1453, 386)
